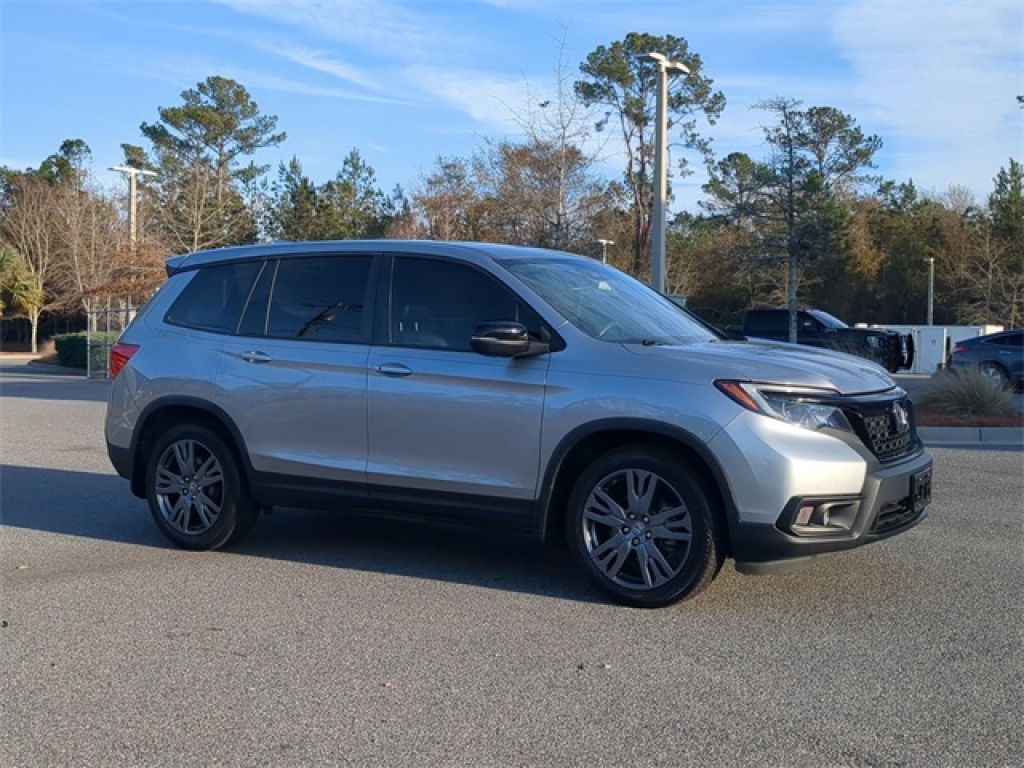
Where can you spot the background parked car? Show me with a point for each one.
(892, 350)
(1000, 356)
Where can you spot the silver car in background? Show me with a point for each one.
(522, 389)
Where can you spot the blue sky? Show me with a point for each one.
(404, 81)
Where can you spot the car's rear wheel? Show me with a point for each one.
(195, 489)
(995, 373)
(644, 527)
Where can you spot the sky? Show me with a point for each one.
(405, 81)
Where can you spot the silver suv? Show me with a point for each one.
(518, 388)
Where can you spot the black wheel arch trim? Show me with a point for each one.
(185, 401)
(649, 426)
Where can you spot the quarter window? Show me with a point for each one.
(437, 304)
(214, 297)
(320, 299)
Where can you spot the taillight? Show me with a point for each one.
(959, 349)
(120, 354)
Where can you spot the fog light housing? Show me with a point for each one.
(820, 517)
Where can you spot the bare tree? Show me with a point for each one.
(92, 241)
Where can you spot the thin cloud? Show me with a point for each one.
(378, 26)
(939, 79)
(321, 62)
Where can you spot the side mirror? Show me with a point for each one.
(504, 339)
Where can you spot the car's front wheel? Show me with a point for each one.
(644, 527)
(195, 489)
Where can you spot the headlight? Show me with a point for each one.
(802, 407)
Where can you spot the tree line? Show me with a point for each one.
(808, 218)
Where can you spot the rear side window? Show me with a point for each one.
(438, 304)
(321, 299)
(1015, 339)
(767, 322)
(214, 297)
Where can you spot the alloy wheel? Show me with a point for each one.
(189, 487)
(637, 529)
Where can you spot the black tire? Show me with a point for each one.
(697, 565)
(237, 512)
(996, 373)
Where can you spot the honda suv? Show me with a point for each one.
(517, 388)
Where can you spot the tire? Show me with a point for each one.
(193, 504)
(620, 553)
(995, 373)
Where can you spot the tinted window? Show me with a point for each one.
(214, 297)
(320, 299)
(1015, 339)
(771, 322)
(438, 304)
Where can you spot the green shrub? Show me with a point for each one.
(71, 349)
(966, 392)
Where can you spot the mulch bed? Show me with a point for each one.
(931, 419)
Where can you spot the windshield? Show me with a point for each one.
(826, 319)
(605, 303)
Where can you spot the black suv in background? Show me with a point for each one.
(893, 351)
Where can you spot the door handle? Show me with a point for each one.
(254, 356)
(393, 369)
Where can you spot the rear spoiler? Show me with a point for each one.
(175, 263)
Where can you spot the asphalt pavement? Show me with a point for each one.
(326, 639)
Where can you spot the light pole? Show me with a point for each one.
(132, 173)
(604, 248)
(661, 166)
(931, 289)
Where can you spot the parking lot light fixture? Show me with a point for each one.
(931, 290)
(665, 67)
(132, 174)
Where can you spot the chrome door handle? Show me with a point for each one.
(254, 356)
(393, 369)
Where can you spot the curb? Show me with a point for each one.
(1004, 436)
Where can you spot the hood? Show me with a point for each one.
(785, 364)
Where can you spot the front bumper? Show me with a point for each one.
(883, 508)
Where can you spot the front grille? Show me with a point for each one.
(886, 428)
(894, 515)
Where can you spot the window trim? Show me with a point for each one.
(384, 337)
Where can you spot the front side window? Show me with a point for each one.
(437, 304)
(320, 299)
(605, 303)
(214, 297)
(827, 320)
